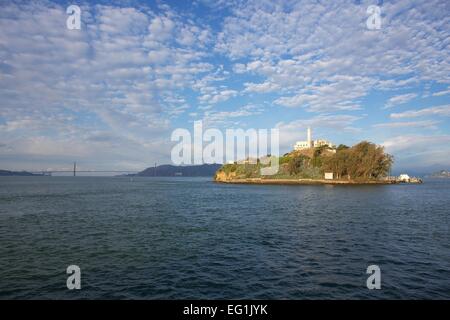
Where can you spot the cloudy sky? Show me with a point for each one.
(110, 94)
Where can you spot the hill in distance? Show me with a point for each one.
(168, 170)
(423, 171)
(440, 174)
(17, 173)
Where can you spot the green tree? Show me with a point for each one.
(297, 163)
(369, 161)
(362, 161)
(317, 160)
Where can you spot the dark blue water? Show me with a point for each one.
(165, 238)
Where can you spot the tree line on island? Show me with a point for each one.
(363, 161)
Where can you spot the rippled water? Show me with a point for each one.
(164, 238)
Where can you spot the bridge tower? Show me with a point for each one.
(74, 169)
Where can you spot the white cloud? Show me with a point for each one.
(239, 68)
(441, 93)
(443, 110)
(217, 95)
(334, 96)
(400, 99)
(230, 118)
(261, 87)
(324, 57)
(323, 124)
(112, 75)
(430, 124)
(116, 21)
(419, 149)
(161, 28)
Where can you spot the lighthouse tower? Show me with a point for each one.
(309, 139)
(310, 143)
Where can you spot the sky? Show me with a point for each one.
(109, 95)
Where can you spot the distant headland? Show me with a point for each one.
(17, 173)
(167, 170)
(318, 162)
(440, 174)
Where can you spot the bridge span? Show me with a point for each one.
(74, 171)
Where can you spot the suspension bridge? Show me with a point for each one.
(74, 171)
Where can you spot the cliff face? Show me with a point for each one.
(223, 176)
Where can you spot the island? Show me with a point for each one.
(318, 162)
(440, 174)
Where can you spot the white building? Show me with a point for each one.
(329, 175)
(404, 177)
(323, 142)
(299, 145)
(309, 143)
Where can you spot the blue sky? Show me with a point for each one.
(109, 95)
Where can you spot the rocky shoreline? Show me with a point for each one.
(304, 181)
